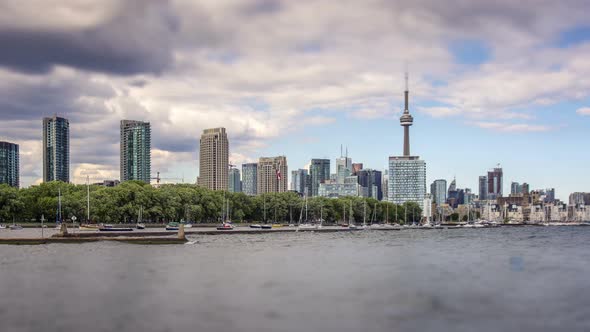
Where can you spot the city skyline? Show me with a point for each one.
(514, 94)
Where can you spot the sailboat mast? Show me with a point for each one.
(88, 198)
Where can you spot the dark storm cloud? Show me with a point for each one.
(32, 101)
(137, 39)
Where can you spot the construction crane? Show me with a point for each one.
(158, 179)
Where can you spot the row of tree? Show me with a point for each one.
(191, 203)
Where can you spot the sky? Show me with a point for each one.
(503, 82)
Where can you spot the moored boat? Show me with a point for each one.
(89, 227)
(256, 226)
(111, 228)
(172, 226)
(225, 227)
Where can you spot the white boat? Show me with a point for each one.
(2, 227)
(188, 225)
(140, 224)
(257, 226)
(305, 225)
(15, 227)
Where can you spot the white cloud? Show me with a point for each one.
(511, 127)
(583, 111)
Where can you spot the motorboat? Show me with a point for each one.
(257, 226)
(266, 226)
(172, 226)
(140, 226)
(111, 228)
(225, 227)
(2, 227)
(88, 227)
(188, 225)
(15, 227)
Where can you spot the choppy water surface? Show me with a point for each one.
(510, 279)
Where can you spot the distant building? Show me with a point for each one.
(107, 183)
(483, 188)
(495, 181)
(272, 175)
(370, 181)
(438, 191)
(235, 182)
(549, 195)
(579, 198)
(9, 164)
(515, 188)
(338, 189)
(356, 167)
(213, 159)
(300, 181)
(407, 180)
(250, 179)
(385, 184)
(525, 189)
(319, 170)
(135, 151)
(56, 149)
(343, 168)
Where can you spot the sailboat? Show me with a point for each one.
(226, 226)
(88, 226)
(140, 224)
(351, 224)
(58, 217)
(373, 222)
(15, 227)
(306, 225)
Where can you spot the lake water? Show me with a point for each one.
(500, 279)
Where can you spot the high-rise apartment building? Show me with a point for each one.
(136, 146)
(213, 159)
(343, 167)
(495, 181)
(9, 164)
(272, 175)
(407, 174)
(235, 182)
(250, 179)
(319, 171)
(300, 181)
(56, 149)
(356, 167)
(483, 188)
(515, 188)
(438, 191)
(370, 182)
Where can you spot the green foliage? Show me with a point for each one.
(191, 203)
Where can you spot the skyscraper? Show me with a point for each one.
(9, 164)
(272, 175)
(319, 171)
(250, 179)
(483, 188)
(235, 183)
(407, 174)
(299, 181)
(356, 167)
(438, 191)
(213, 159)
(515, 188)
(56, 149)
(495, 181)
(343, 166)
(370, 182)
(136, 156)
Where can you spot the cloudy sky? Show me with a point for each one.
(490, 82)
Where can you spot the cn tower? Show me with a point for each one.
(406, 120)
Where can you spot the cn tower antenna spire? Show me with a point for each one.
(406, 119)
